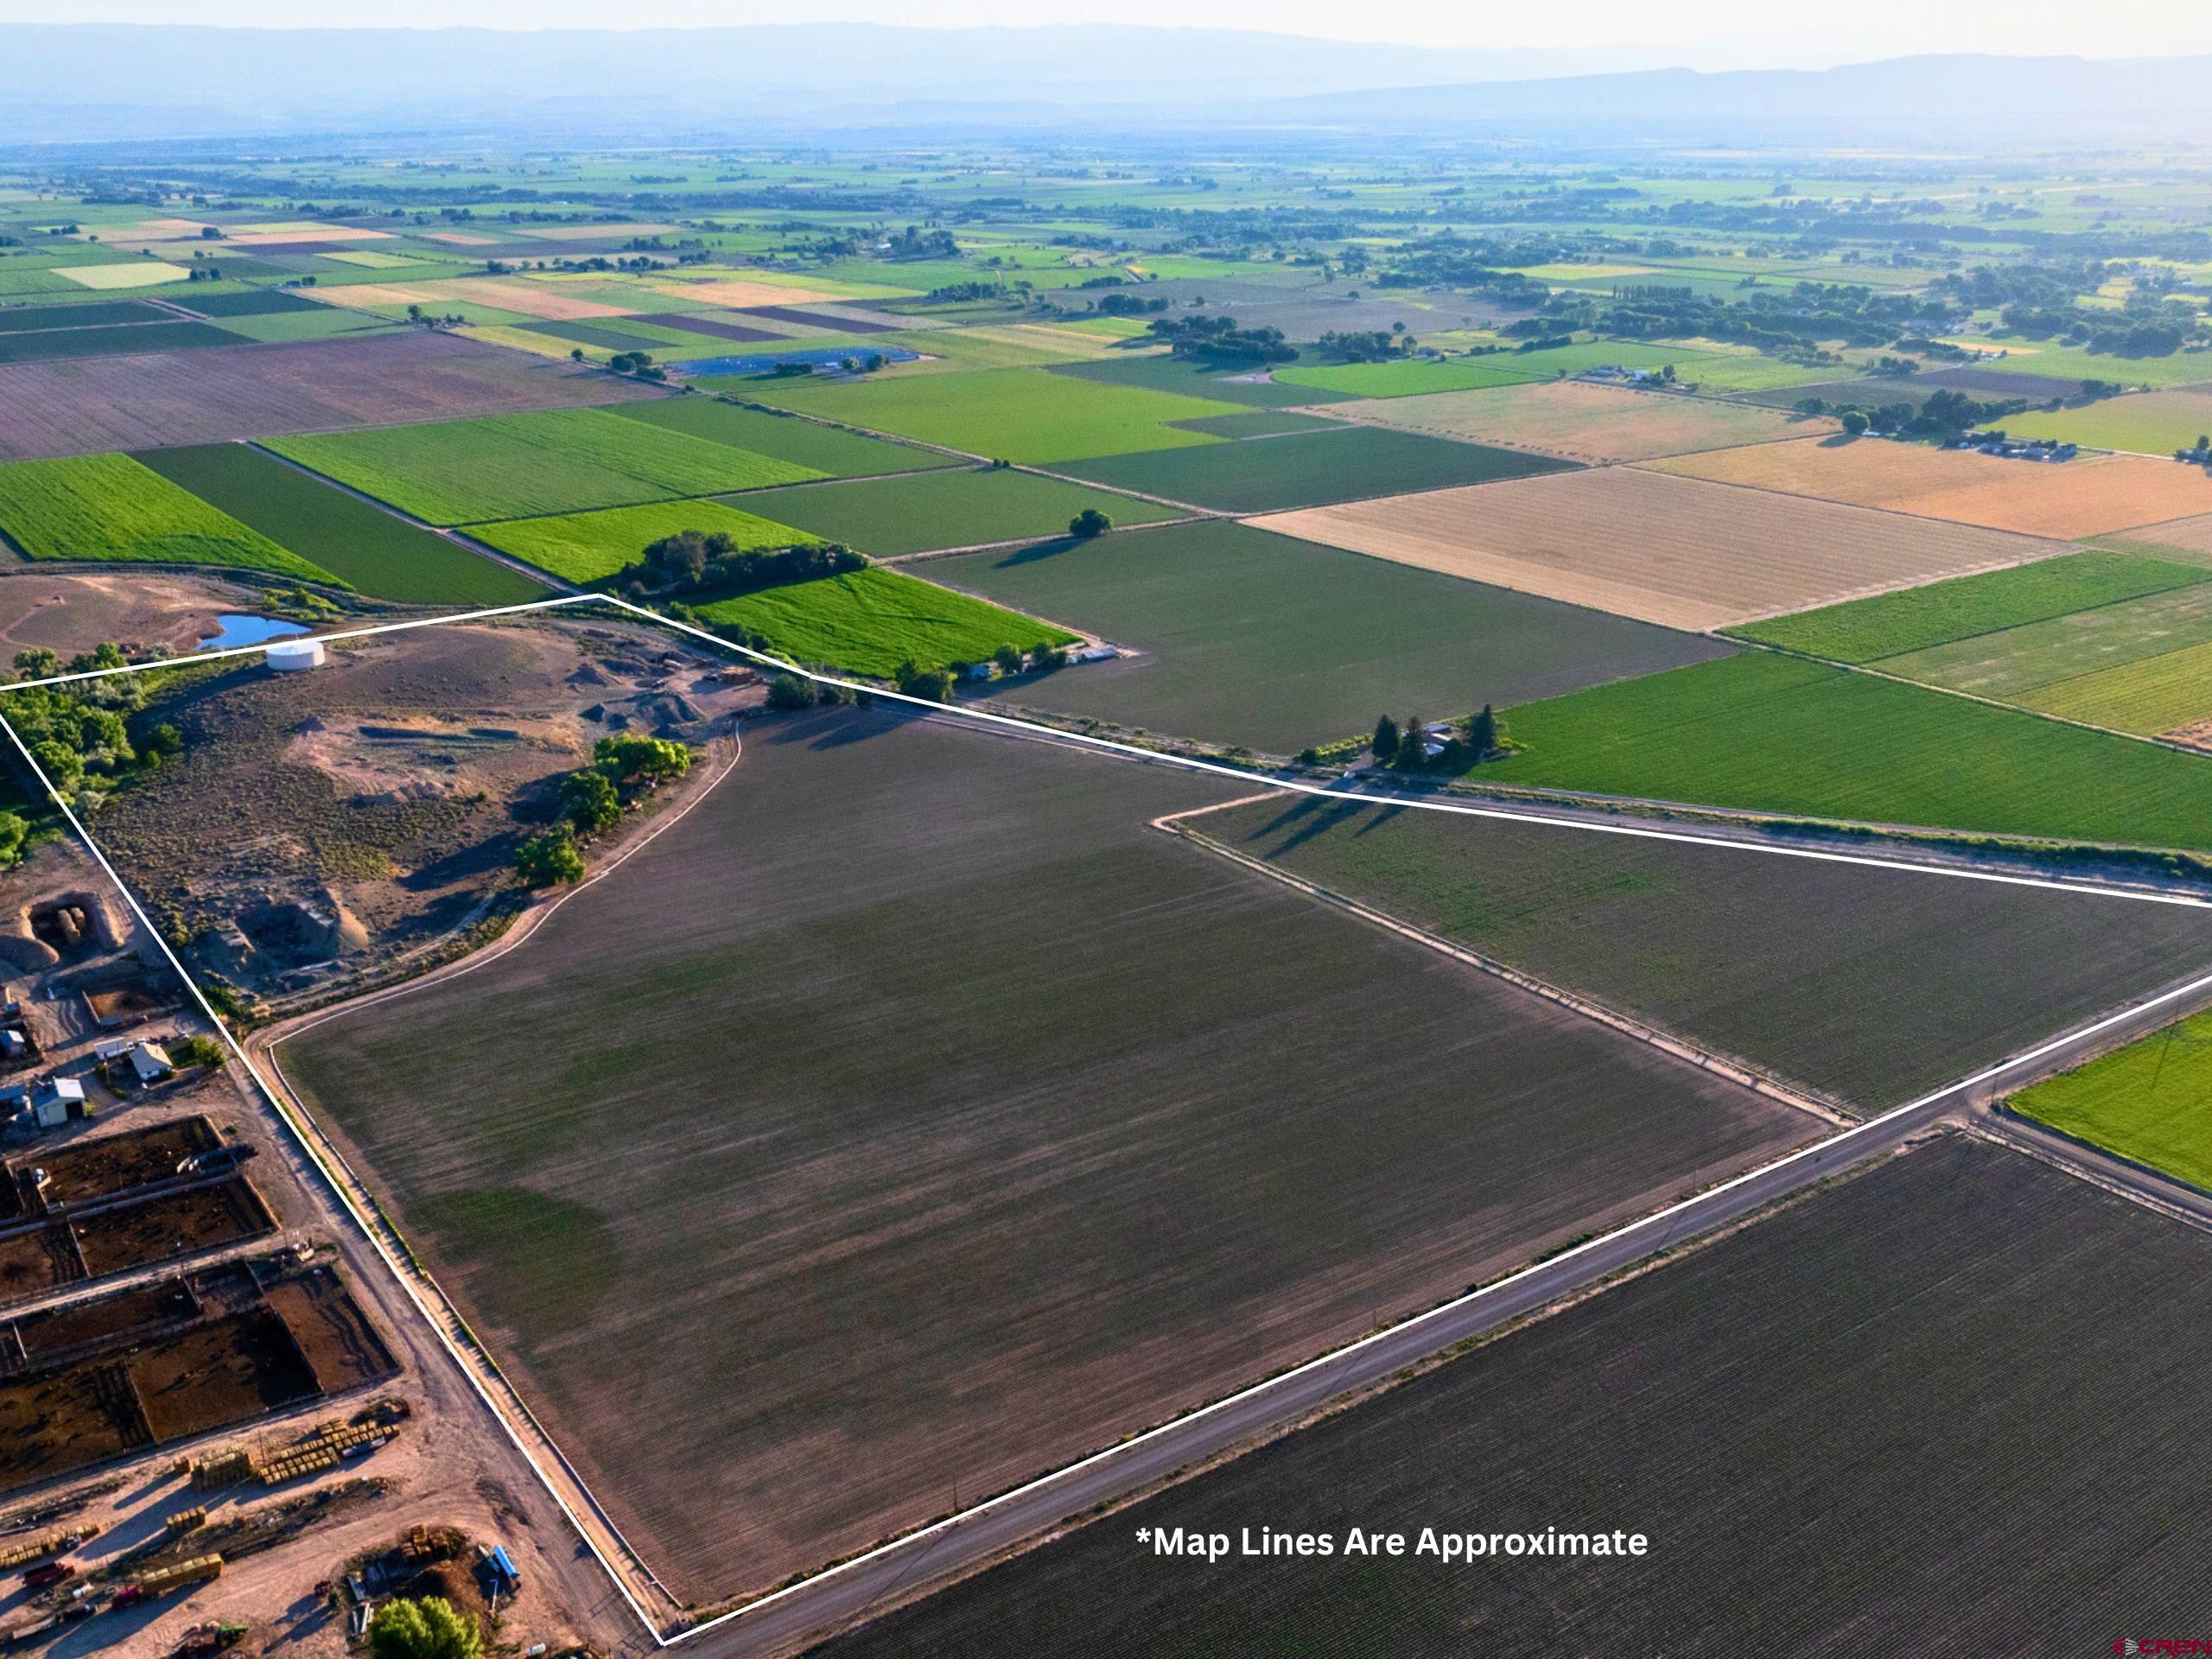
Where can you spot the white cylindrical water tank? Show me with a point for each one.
(293, 655)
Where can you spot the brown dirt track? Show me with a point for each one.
(2093, 496)
(1671, 550)
(88, 404)
(1582, 421)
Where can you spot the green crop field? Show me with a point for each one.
(1871, 985)
(1779, 735)
(587, 547)
(1411, 377)
(125, 340)
(969, 508)
(109, 507)
(1260, 423)
(823, 450)
(2147, 696)
(2151, 1101)
(2074, 363)
(1310, 469)
(2134, 664)
(527, 465)
(2147, 423)
(1160, 372)
(1816, 1401)
(321, 322)
(1025, 415)
(1889, 625)
(369, 549)
(867, 622)
(1258, 639)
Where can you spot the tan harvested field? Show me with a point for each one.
(305, 230)
(363, 295)
(2189, 540)
(460, 239)
(2095, 496)
(541, 300)
(1583, 422)
(1671, 550)
(739, 294)
(84, 405)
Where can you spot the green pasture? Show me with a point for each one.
(867, 622)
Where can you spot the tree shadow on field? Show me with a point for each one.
(1031, 555)
(1310, 816)
(839, 726)
(1839, 440)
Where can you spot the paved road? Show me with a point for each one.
(820, 1607)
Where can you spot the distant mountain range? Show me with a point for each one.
(84, 83)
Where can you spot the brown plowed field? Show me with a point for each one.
(2189, 540)
(84, 405)
(2094, 496)
(1672, 550)
(1586, 423)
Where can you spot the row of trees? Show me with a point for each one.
(1405, 748)
(694, 565)
(593, 800)
(1219, 339)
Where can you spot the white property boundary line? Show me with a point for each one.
(306, 1144)
(1104, 745)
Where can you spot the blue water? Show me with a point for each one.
(815, 356)
(241, 629)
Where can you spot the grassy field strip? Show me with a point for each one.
(1032, 541)
(1735, 1070)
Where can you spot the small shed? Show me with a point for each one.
(54, 1101)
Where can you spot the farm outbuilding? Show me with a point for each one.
(295, 656)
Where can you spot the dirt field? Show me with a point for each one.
(178, 1224)
(111, 1163)
(966, 1124)
(1678, 551)
(221, 1372)
(2187, 539)
(542, 300)
(73, 614)
(2095, 495)
(375, 803)
(737, 294)
(1800, 1417)
(1582, 421)
(90, 404)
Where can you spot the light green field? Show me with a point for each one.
(132, 273)
(324, 322)
(1023, 415)
(1408, 379)
(2071, 363)
(2127, 665)
(2145, 422)
(2151, 1101)
(867, 622)
(1993, 601)
(827, 449)
(584, 547)
(1780, 734)
(109, 507)
(531, 466)
(1590, 354)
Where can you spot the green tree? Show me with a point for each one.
(1854, 424)
(13, 829)
(1412, 742)
(789, 691)
(550, 858)
(61, 764)
(1007, 658)
(165, 740)
(428, 1627)
(37, 663)
(1385, 744)
(631, 756)
(590, 802)
(932, 683)
(1088, 523)
(201, 1050)
(1482, 733)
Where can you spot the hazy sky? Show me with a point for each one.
(1704, 32)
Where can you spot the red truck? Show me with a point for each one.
(52, 1573)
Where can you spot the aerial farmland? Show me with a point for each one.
(952, 886)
